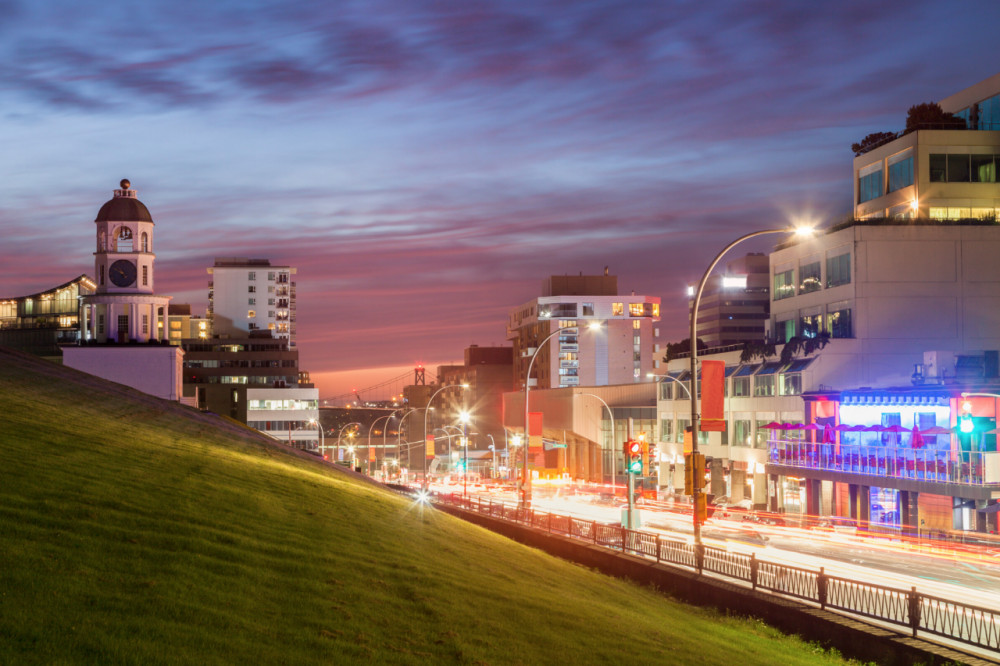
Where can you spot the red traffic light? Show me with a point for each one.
(633, 447)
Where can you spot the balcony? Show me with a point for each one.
(943, 465)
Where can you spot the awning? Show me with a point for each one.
(990, 508)
(746, 370)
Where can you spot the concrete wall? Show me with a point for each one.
(151, 369)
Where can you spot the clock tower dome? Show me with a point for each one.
(124, 307)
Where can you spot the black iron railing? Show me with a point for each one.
(919, 612)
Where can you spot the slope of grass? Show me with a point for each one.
(138, 531)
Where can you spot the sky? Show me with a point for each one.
(425, 165)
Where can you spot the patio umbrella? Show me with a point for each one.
(917, 440)
(895, 429)
(774, 425)
(873, 428)
(828, 435)
(936, 430)
(857, 428)
(809, 426)
(792, 426)
(843, 427)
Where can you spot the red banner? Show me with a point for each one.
(535, 424)
(713, 406)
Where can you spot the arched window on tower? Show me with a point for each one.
(145, 242)
(124, 238)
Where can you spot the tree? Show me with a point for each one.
(872, 141)
(675, 349)
(930, 116)
(797, 345)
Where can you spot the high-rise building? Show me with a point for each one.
(735, 305)
(620, 352)
(250, 295)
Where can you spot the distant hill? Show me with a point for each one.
(134, 530)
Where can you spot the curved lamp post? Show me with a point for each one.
(399, 437)
(368, 450)
(427, 409)
(524, 490)
(693, 392)
(614, 449)
(341, 434)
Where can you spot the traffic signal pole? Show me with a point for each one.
(631, 476)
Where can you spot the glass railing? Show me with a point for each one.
(923, 464)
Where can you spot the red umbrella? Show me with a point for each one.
(843, 427)
(828, 435)
(895, 428)
(873, 428)
(917, 441)
(809, 426)
(774, 425)
(936, 430)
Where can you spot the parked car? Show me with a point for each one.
(838, 525)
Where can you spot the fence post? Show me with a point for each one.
(657, 548)
(913, 599)
(624, 534)
(699, 556)
(593, 530)
(753, 571)
(821, 581)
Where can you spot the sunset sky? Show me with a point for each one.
(425, 165)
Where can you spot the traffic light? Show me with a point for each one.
(645, 448)
(688, 475)
(694, 472)
(634, 450)
(965, 423)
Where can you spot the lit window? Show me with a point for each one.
(656, 309)
(784, 284)
(617, 309)
(637, 324)
(175, 325)
(251, 314)
(635, 309)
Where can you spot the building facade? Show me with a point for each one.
(734, 306)
(250, 295)
(621, 351)
(290, 415)
(40, 323)
(937, 173)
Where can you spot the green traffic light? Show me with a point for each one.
(966, 425)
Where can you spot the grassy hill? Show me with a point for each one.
(138, 531)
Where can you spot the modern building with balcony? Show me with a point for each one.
(40, 323)
(941, 174)
(621, 352)
(290, 415)
(250, 295)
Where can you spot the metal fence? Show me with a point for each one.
(954, 620)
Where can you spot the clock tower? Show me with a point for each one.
(124, 308)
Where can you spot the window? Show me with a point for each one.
(958, 169)
(760, 436)
(252, 275)
(251, 289)
(784, 331)
(617, 309)
(124, 239)
(741, 387)
(588, 309)
(122, 328)
(809, 277)
(790, 383)
(636, 324)
(635, 309)
(251, 314)
(938, 168)
(983, 169)
(145, 324)
(870, 186)
(251, 301)
(764, 380)
(100, 323)
(270, 277)
(666, 390)
(811, 325)
(838, 270)
(741, 433)
(784, 284)
(901, 174)
(175, 325)
(270, 314)
(102, 274)
(270, 301)
(145, 242)
(145, 276)
(666, 430)
(839, 323)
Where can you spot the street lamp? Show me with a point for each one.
(614, 449)
(693, 392)
(368, 450)
(399, 437)
(659, 378)
(427, 409)
(463, 417)
(322, 440)
(349, 435)
(525, 487)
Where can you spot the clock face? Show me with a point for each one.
(122, 273)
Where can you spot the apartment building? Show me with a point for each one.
(249, 295)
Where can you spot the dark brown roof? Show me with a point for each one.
(124, 209)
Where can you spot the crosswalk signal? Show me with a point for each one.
(634, 450)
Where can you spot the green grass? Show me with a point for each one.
(136, 531)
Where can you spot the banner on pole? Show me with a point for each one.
(713, 382)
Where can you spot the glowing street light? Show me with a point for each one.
(802, 232)
(525, 489)
(427, 409)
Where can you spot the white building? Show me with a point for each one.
(287, 414)
(247, 295)
(620, 352)
(936, 173)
